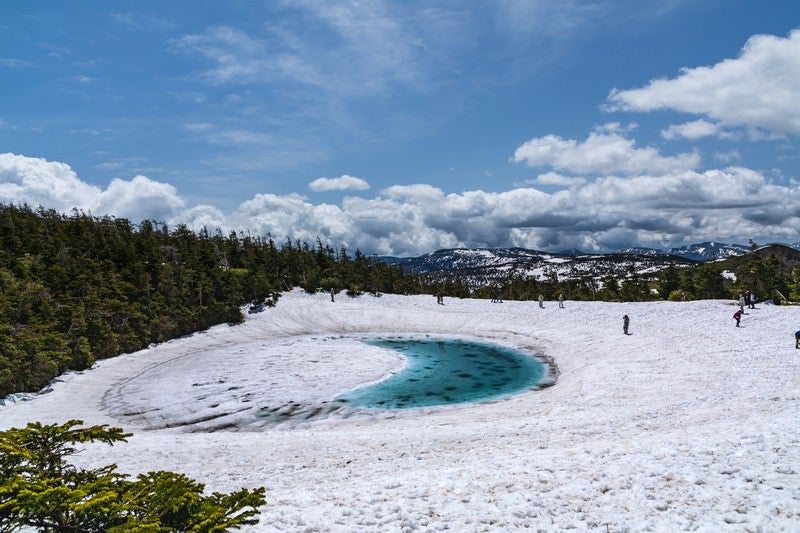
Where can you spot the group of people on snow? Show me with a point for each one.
(746, 300)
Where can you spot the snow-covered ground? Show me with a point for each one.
(687, 424)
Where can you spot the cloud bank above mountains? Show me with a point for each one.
(611, 211)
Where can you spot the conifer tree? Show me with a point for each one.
(40, 488)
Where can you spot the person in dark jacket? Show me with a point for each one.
(625, 323)
(751, 300)
(738, 317)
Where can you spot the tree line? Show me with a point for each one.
(75, 288)
(767, 277)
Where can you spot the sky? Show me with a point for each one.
(401, 128)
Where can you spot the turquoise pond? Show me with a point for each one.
(448, 371)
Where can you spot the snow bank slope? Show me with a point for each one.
(687, 424)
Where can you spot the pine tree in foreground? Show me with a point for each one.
(39, 488)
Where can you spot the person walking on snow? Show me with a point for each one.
(738, 316)
(797, 339)
(561, 301)
(625, 323)
(541, 301)
(742, 302)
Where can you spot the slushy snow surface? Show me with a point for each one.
(689, 423)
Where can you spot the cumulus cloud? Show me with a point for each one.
(677, 206)
(611, 212)
(37, 182)
(206, 216)
(139, 198)
(342, 183)
(606, 151)
(419, 192)
(55, 185)
(758, 89)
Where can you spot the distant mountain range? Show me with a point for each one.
(704, 251)
(486, 266)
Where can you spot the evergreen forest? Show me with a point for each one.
(769, 278)
(76, 288)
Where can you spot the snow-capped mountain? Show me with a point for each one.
(486, 266)
(704, 251)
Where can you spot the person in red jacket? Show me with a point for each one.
(738, 316)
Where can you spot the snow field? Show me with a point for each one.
(687, 424)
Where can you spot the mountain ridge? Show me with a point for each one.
(487, 266)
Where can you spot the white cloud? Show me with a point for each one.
(377, 45)
(206, 216)
(553, 178)
(677, 206)
(139, 198)
(238, 57)
(293, 217)
(54, 185)
(605, 151)
(758, 89)
(38, 182)
(726, 158)
(696, 129)
(342, 183)
(420, 192)
(368, 50)
(610, 212)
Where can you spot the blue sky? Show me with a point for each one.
(404, 127)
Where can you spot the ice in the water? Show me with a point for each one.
(447, 372)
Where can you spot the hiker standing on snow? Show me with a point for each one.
(742, 302)
(797, 339)
(738, 316)
(561, 301)
(541, 301)
(625, 322)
